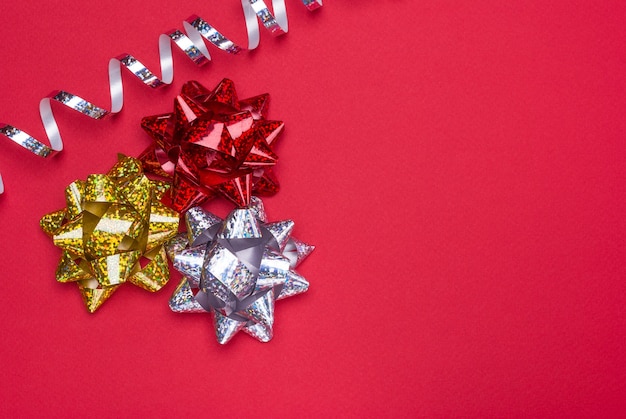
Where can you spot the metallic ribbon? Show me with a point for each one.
(198, 31)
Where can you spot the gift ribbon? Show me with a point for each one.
(198, 31)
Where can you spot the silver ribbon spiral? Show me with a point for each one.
(192, 44)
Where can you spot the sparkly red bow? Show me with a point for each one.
(213, 144)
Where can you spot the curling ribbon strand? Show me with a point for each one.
(192, 44)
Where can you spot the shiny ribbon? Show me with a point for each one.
(198, 31)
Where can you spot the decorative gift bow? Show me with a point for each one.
(236, 269)
(113, 231)
(213, 144)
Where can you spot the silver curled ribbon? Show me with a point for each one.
(198, 31)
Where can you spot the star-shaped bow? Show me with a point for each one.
(236, 269)
(113, 230)
(213, 144)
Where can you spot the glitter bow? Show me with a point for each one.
(213, 144)
(112, 231)
(236, 269)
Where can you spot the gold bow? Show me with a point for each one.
(112, 231)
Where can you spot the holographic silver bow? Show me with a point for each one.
(236, 269)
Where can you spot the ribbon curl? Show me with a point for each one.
(198, 31)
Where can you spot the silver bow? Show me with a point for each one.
(236, 269)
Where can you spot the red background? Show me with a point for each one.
(460, 166)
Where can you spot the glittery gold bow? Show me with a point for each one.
(112, 231)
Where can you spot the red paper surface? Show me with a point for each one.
(459, 165)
